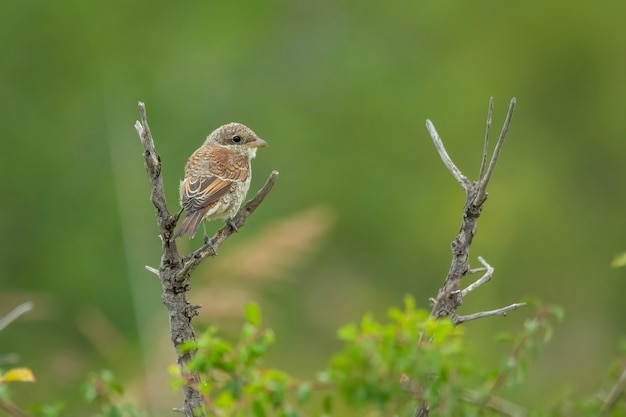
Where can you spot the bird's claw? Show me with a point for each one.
(232, 224)
(209, 243)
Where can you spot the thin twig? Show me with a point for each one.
(615, 393)
(12, 409)
(8, 358)
(498, 404)
(456, 172)
(495, 403)
(481, 195)
(165, 220)
(498, 312)
(15, 313)
(153, 270)
(486, 277)
(483, 163)
(514, 357)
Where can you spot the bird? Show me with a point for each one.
(217, 177)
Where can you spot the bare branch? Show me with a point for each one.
(450, 297)
(614, 395)
(498, 312)
(481, 195)
(486, 277)
(462, 179)
(174, 270)
(483, 163)
(174, 292)
(153, 270)
(15, 313)
(165, 220)
(12, 409)
(500, 405)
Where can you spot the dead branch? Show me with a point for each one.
(15, 313)
(450, 296)
(497, 312)
(614, 394)
(174, 270)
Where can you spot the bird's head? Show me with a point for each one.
(237, 137)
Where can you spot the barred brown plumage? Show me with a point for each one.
(217, 176)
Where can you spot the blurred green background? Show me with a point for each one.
(363, 211)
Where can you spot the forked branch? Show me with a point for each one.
(174, 270)
(450, 296)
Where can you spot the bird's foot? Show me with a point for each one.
(232, 224)
(209, 243)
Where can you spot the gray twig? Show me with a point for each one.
(153, 270)
(616, 391)
(481, 195)
(486, 277)
(15, 313)
(483, 163)
(497, 312)
(450, 297)
(447, 161)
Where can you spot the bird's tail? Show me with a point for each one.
(190, 224)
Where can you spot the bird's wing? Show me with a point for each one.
(223, 169)
(200, 192)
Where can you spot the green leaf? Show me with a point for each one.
(199, 363)
(409, 303)
(558, 312)
(188, 346)
(257, 409)
(303, 394)
(89, 392)
(327, 404)
(247, 331)
(224, 400)
(324, 377)
(619, 261)
(253, 314)
(347, 333)
(48, 410)
(549, 331)
(531, 325)
(113, 412)
(205, 386)
(233, 386)
(532, 301)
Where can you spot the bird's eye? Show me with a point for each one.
(236, 138)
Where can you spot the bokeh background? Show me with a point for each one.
(363, 212)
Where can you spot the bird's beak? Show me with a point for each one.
(257, 143)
